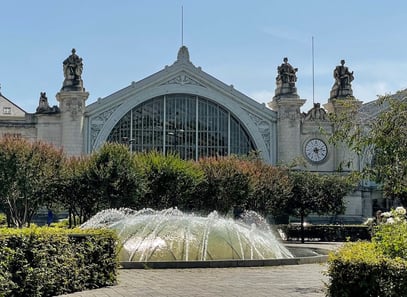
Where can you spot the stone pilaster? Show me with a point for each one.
(289, 127)
(72, 106)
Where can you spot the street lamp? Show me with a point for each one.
(175, 134)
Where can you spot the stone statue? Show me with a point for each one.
(285, 80)
(73, 68)
(343, 78)
(43, 106)
(286, 73)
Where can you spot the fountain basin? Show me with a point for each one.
(173, 239)
(301, 256)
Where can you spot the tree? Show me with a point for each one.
(225, 187)
(171, 181)
(114, 178)
(380, 141)
(315, 193)
(76, 193)
(269, 186)
(29, 175)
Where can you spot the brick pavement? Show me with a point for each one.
(287, 281)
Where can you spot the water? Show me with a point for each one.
(171, 235)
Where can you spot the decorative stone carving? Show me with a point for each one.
(97, 123)
(342, 87)
(285, 80)
(73, 68)
(263, 127)
(43, 106)
(183, 79)
(316, 113)
(75, 107)
(183, 54)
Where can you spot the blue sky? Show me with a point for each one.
(238, 42)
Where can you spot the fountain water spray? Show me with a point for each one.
(171, 235)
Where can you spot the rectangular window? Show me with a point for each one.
(6, 110)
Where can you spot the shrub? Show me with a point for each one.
(372, 269)
(48, 262)
(360, 269)
(171, 181)
(226, 186)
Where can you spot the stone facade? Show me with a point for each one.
(280, 132)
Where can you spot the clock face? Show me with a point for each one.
(316, 150)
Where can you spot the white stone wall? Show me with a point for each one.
(72, 106)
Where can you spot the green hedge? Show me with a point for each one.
(361, 269)
(48, 262)
(327, 232)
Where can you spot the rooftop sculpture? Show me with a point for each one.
(73, 67)
(342, 87)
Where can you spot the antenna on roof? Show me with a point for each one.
(313, 76)
(182, 25)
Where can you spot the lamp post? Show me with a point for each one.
(129, 142)
(175, 134)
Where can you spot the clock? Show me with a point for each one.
(316, 150)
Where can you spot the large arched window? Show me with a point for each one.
(193, 126)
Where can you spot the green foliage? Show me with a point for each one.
(377, 268)
(269, 186)
(48, 262)
(108, 178)
(380, 141)
(3, 220)
(113, 175)
(360, 269)
(29, 175)
(171, 181)
(390, 237)
(226, 185)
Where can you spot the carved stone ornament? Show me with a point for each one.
(43, 106)
(183, 79)
(97, 123)
(75, 107)
(264, 128)
(316, 113)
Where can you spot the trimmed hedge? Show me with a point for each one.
(48, 262)
(361, 269)
(327, 232)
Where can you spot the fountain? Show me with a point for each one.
(149, 236)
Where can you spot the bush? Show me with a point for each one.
(171, 181)
(360, 269)
(372, 269)
(226, 185)
(48, 262)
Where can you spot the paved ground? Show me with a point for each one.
(286, 281)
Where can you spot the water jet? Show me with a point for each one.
(171, 238)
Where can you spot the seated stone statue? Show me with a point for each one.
(73, 67)
(286, 73)
(343, 78)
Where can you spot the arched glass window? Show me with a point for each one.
(193, 126)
